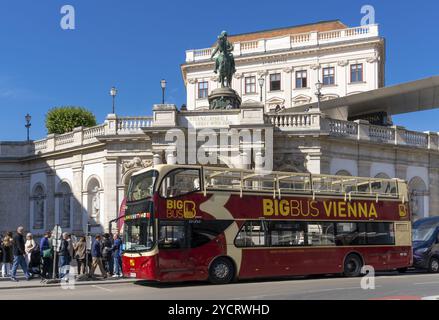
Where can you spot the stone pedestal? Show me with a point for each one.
(224, 98)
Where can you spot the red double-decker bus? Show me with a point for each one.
(219, 224)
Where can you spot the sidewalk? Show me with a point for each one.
(7, 283)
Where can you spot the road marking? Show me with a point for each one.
(102, 288)
(422, 283)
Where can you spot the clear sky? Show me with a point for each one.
(132, 44)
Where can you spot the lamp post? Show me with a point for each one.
(163, 85)
(27, 117)
(113, 93)
(318, 93)
(261, 81)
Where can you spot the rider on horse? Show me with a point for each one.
(225, 58)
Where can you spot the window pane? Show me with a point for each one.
(172, 236)
(328, 76)
(301, 81)
(380, 233)
(205, 231)
(250, 84)
(252, 234)
(203, 88)
(321, 234)
(287, 233)
(348, 234)
(274, 81)
(180, 182)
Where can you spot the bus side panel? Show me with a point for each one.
(144, 267)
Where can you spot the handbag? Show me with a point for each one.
(47, 253)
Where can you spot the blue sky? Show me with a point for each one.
(132, 44)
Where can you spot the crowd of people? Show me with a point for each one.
(38, 258)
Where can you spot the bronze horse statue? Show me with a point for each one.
(224, 62)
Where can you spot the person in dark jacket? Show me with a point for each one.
(7, 256)
(47, 254)
(97, 257)
(80, 252)
(107, 260)
(64, 255)
(19, 252)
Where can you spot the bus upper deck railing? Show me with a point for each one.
(283, 183)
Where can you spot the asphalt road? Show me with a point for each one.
(387, 286)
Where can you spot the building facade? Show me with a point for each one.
(80, 177)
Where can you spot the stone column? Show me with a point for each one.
(287, 86)
(433, 191)
(110, 191)
(50, 198)
(78, 205)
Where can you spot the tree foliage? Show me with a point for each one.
(63, 119)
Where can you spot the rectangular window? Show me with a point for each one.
(350, 234)
(301, 79)
(172, 235)
(357, 72)
(252, 234)
(328, 76)
(275, 82)
(380, 233)
(180, 182)
(250, 84)
(321, 234)
(203, 88)
(287, 233)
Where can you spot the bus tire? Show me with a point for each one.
(221, 271)
(352, 265)
(433, 265)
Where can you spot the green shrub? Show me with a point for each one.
(63, 119)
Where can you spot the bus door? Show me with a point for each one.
(173, 257)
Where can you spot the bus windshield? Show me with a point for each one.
(139, 235)
(142, 185)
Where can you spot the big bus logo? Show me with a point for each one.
(402, 210)
(180, 209)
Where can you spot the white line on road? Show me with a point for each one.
(102, 288)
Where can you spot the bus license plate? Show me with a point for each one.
(132, 274)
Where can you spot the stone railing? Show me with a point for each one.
(113, 125)
(315, 123)
(133, 124)
(290, 42)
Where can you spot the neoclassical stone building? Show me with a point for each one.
(80, 177)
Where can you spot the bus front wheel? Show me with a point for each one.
(352, 266)
(221, 271)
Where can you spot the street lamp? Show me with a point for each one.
(113, 93)
(163, 85)
(261, 84)
(27, 117)
(318, 93)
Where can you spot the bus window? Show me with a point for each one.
(180, 182)
(349, 234)
(380, 233)
(172, 235)
(205, 231)
(287, 233)
(252, 234)
(321, 234)
(142, 186)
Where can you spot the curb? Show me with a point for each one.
(77, 283)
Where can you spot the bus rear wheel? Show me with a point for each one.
(433, 265)
(221, 271)
(352, 266)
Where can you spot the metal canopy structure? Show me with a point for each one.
(406, 97)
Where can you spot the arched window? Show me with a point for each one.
(343, 173)
(65, 196)
(417, 194)
(39, 207)
(94, 202)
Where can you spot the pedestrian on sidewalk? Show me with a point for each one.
(47, 255)
(64, 255)
(29, 246)
(19, 253)
(107, 258)
(97, 257)
(7, 256)
(117, 250)
(80, 251)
